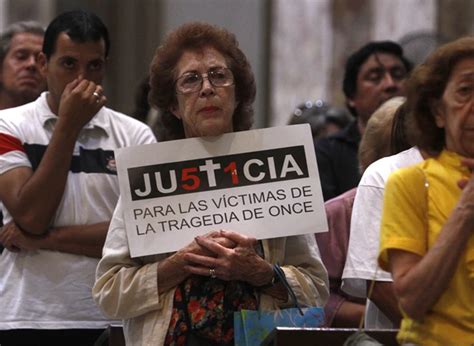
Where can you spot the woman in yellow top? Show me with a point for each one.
(427, 239)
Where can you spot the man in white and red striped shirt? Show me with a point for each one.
(59, 186)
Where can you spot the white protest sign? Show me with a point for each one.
(262, 183)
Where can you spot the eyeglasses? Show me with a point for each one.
(191, 82)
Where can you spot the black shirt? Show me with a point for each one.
(337, 161)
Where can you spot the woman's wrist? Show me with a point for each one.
(271, 280)
(275, 287)
(170, 272)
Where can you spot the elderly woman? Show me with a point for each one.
(203, 85)
(428, 220)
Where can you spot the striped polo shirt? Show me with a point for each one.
(48, 289)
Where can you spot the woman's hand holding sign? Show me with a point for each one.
(239, 262)
(195, 248)
(173, 270)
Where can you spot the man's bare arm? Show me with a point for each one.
(348, 315)
(32, 198)
(86, 240)
(383, 295)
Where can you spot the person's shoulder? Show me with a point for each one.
(407, 176)
(377, 173)
(340, 206)
(19, 110)
(19, 115)
(339, 135)
(347, 136)
(125, 121)
(117, 116)
(405, 192)
(406, 158)
(136, 131)
(344, 198)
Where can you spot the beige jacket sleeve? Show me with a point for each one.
(300, 260)
(125, 288)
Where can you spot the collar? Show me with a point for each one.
(452, 159)
(100, 120)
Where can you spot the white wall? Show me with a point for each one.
(394, 19)
(300, 56)
(3, 14)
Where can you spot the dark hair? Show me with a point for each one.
(358, 58)
(195, 36)
(30, 27)
(425, 88)
(80, 26)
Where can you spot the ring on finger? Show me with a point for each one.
(212, 273)
(97, 95)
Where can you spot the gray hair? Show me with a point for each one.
(6, 36)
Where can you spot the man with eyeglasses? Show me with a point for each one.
(373, 74)
(59, 185)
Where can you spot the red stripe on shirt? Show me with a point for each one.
(9, 143)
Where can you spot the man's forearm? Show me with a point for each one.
(383, 295)
(37, 195)
(348, 315)
(87, 240)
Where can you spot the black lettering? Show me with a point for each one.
(138, 231)
(137, 212)
(308, 207)
(307, 191)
